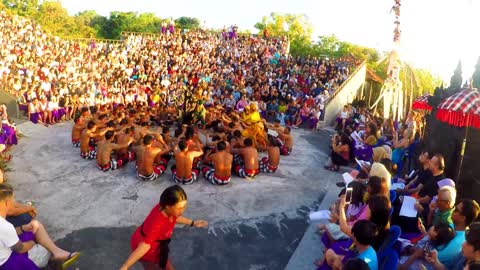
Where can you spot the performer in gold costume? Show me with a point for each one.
(253, 127)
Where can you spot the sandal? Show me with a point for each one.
(72, 258)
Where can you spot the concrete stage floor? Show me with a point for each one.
(253, 225)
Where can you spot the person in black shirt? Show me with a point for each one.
(428, 179)
(430, 187)
(423, 174)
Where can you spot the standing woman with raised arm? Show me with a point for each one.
(150, 241)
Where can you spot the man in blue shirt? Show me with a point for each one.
(363, 233)
(236, 94)
(458, 251)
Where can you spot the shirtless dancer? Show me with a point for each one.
(286, 140)
(85, 115)
(87, 151)
(220, 174)
(182, 171)
(77, 131)
(168, 141)
(104, 160)
(122, 138)
(146, 153)
(249, 154)
(270, 164)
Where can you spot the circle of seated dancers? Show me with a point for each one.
(214, 144)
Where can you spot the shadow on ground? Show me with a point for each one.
(265, 243)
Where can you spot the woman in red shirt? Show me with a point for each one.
(150, 241)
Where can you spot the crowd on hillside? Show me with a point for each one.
(396, 209)
(63, 76)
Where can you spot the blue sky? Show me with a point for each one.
(435, 33)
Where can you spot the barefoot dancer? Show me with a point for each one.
(150, 241)
(147, 170)
(220, 174)
(184, 172)
(104, 160)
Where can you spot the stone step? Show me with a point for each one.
(310, 247)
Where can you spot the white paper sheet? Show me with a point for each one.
(408, 207)
(356, 137)
(272, 132)
(347, 178)
(319, 215)
(397, 186)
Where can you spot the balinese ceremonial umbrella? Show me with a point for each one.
(421, 103)
(461, 110)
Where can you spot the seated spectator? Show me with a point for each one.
(441, 210)
(421, 175)
(292, 113)
(377, 186)
(356, 211)
(342, 119)
(470, 251)
(371, 134)
(430, 188)
(303, 115)
(340, 155)
(17, 242)
(427, 192)
(378, 212)
(465, 213)
(363, 235)
(438, 237)
(9, 133)
(463, 216)
(356, 264)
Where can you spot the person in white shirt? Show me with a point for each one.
(17, 243)
(142, 97)
(47, 115)
(52, 107)
(129, 98)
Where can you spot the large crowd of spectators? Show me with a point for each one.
(396, 209)
(63, 76)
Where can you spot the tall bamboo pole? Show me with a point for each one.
(411, 87)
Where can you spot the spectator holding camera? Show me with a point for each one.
(340, 155)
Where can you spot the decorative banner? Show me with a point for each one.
(393, 97)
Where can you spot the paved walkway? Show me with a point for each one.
(253, 225)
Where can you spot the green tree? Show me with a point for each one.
(187, 23)
(476, 75)
(22, 7)
(85, 23)
(55, 19)
(117, 23)
(296, 27)
(456, 80)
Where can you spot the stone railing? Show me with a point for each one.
(344, 94)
